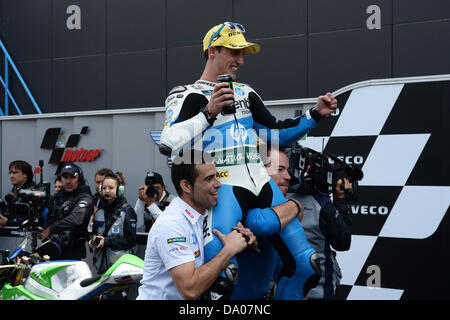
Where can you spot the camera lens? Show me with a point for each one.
(151, 191)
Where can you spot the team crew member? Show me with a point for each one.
(230, 135)
(21, 177)
(114, 224)
(174, 265)
(69, 213)
(327, 226)
(58, 184)
(255, 283)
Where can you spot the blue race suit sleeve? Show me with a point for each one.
(263, 222)
(266, 125)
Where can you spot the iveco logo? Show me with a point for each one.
(365, 209)
(350, 159)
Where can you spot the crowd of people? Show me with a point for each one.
(232, 231)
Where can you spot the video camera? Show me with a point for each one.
(312, 171)
(27, 205)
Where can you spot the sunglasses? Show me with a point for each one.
(229, 25)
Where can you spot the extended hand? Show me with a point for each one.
(141, 193)
(3, 220)
(234, 241)
(338, 192)
(149, 200)
(251, 239)
(326, 104)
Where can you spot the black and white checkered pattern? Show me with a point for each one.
(399, 135)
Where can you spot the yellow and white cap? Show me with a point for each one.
(229, 35)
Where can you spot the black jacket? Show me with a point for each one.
(68, 217)
(335, 223)
(12, 198)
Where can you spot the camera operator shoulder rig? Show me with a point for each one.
(26, 206)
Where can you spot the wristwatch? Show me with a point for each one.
(314, 113)
(208, 115)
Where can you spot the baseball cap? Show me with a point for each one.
(153, 177)
(73, 169)
(231, 35)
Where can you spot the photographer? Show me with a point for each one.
(326, 222)
(21, 177)
(69, 212)
(153, 200)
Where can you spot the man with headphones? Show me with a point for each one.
(114, 225)
(69, 212)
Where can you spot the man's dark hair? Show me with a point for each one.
(58, 178)
(183, 168)
(104, 172)
(23, 166)
(268, 148)
(183, 172)
(206, 52)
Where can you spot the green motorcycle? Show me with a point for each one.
(30, 275)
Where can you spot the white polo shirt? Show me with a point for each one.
(174, 239)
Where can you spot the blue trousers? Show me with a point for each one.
(238, 204)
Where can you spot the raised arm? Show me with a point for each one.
(291, 129)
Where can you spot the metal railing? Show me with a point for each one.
(5, 80)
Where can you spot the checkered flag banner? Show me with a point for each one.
(398, 134)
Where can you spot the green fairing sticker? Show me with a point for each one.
(177, 239)
(235, 156)
(45, 275)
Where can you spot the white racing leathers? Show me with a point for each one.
(247, 192)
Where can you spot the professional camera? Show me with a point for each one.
(312, 171)
(25, 207)
(150, 180)
(95, 241)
